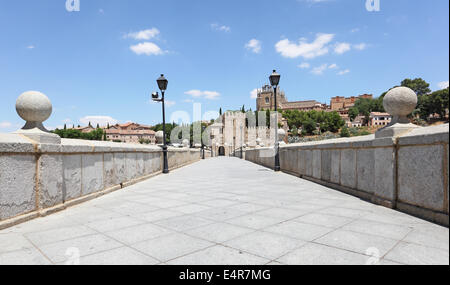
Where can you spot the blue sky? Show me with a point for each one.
(101, 62)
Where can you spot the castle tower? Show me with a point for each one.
(266, 100)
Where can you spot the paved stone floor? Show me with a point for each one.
(226, 211)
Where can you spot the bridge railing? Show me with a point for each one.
(40, 173)
(402, 166)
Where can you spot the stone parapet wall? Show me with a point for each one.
(38, 179)
(408, 173)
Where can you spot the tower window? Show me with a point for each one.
(267, 100)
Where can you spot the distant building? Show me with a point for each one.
(87, 129)
(130, 133)
(266, 101)
(379, 119)
(343, 104)
(357, 122)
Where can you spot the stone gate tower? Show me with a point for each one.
(266, 99)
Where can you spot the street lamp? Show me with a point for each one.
(242, 142)
(274, 81)
(203, 145)
(162, 85)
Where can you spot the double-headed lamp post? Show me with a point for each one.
(162, 85)
(274, 81)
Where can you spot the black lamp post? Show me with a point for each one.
(203, 145)
(162, 85)
(274, 81)
(242, 148)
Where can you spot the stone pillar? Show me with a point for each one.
(35, 108)
(399, 102)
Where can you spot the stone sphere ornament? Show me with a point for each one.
(33, 106)
(400, 102)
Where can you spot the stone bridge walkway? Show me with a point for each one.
(226, 211)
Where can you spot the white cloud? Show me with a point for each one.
(355, 30)
(101, 120)
(319, 70)
(210, 95)
(304, 49)
(443, 84)
(333, 66)
(188, 101)
(361, 46)
(341, 48)
(254, 94)
(5, 125)
(144, 34)
(146, 48)
(254, 45)
(67, 121)
(31, 47)
(342, 72)
(169, 103)
(304, 65)
(221, 28)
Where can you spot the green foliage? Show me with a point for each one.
(420, 86)
(434, 103)
(353, 113)
(310, 121)
(365, 106)
(294, 131)
(358, 131)
(95, 135)
(345, 133)
(144, 141)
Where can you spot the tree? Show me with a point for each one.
(353, 113)
(220, 111)
(65, 127)
(434, 103)
(365, 106)
(309, 126)
(420, 86)
(98, 126)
